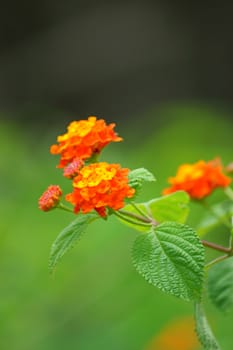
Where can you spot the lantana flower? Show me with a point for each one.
(98, 186)
(198, 179)
(50, 198)
(84, 139)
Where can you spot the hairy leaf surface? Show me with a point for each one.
(138, 176)
(68, 237)
(203, 330)
(171, 257)
(220, 284)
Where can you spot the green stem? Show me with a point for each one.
(135, 216)
(229, 192)
(140, 211)
(212, 212)
(63, 207)
(217, 247)
(134, 222)
(215, 261)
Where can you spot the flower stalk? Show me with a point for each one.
(215, 261)
(127, 218)
(217, 247)
(135, 216)
(64, 207)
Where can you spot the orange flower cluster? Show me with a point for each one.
(198, 179)
(100, 185)
(96, 186)
(83, 139)
(50, 198)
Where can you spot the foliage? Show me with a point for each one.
(173, 207)
(68, 237)
(220, 284)
(95, 290)
(171, 257)
(217, 214)
(138, 176)
(168, 253)
(204, 332)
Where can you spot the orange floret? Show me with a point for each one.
(83, 139)
(198, 179)
(72, 169)
(98, 186)
(50, 198)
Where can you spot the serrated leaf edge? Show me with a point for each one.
(53, 263)
(183, 296)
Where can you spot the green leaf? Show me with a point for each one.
(223, 210)
(220, 284)
(203, 330)
(138, 176)
(68, 237)
(173, 207)
(231, 227)
(171, 257)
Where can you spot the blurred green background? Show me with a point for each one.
(96, 299)
(163, 71)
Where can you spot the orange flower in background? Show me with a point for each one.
(50, 198)
(198, 179)
(177, 335)
(83, 139)
(100, 185)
